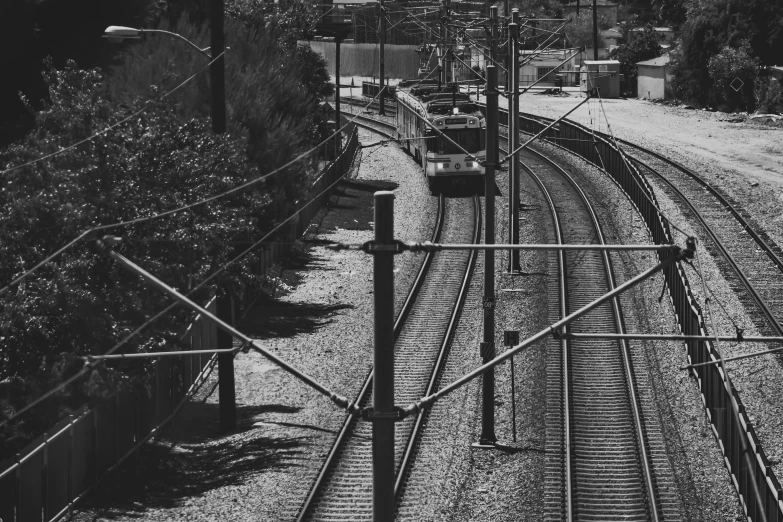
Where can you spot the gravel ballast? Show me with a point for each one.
(322, 323)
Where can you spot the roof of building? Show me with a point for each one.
(656, 62)
(585, 3)
(601, 62)
(659, 29)
(612, 33)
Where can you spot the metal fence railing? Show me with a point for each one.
(717, 398)
(59, 468)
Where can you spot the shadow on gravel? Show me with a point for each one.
(192, 461)
(274, 319)
(351, 206)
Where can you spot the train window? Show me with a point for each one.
(468, 139)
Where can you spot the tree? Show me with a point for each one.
(162, 158)
(711, 25)
(579, 32)
(31, 30)
(733, 72)
(643, 47)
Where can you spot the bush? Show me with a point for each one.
(165, 157)
(81, 303)
(644, 47)
(768, 95)
(733, 72)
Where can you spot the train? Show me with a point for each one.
(422, 107)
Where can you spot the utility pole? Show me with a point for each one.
(595, 29)
(513, 139)
(507, 61)
(382, 72)
(217, 69)
(383, 362)
(488, 438)
(337, 125)
(442, 47)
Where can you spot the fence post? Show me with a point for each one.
(226, 393)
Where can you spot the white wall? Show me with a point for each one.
(651, 83)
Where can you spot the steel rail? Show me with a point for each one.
(308, 504)
(768, 249)
(440, 363)
(744, 452)
(634, 400)
(764, 245)
(562, 284)
(749, 287)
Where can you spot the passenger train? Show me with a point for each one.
(422, 107)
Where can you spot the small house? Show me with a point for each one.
(654, 77)
(603, 75)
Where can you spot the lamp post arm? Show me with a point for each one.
(196, 47)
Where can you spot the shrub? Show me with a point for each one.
(733, 72)
(768, 94)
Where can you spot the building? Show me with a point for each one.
(602, 74)
(603, 7)
(612, 37)
(654, 77)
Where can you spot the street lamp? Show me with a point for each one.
(118, 33)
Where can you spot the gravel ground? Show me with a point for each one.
(322, 325)
(285, 429)
(742, 158)
(705, 490)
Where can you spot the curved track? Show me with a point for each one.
(607, 457)
(752, 256)
(740, 244)
(423, 332)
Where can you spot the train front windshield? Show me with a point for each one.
(471, 140)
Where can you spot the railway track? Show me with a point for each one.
(383, 128)
(746, 253)
(423, 333)
(607, 457)
(742, 249)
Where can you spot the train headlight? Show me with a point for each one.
(443, 166)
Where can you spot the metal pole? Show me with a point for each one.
(488, 437)
(595, 29)
(337, 125)
(493, 21)
(217, 69)
(507, 61)
(513, 134)
(383, 363)
(226, 391)
(382, 71)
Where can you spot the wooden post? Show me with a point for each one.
(226, 392)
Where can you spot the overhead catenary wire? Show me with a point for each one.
(728, 386)
(89, 367)
(341, 401)
(624, 158)
(144, 219)
(114, 125)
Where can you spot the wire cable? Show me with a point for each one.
(91, 231)
(114, 125)
(148, 322)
